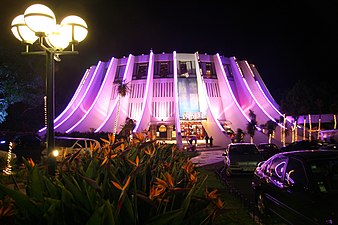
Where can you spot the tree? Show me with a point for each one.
(20, 85)
(270, 126)
(251, 126)
(239, 135)
(122, 90)
(9, 91)
(299, 100)
(127, 128)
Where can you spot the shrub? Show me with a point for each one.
(123, 182)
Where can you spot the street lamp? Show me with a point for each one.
(37, 27)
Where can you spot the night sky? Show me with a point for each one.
(286, 40)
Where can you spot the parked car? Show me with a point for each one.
(330, 146)
(267, 150)
(300, 187)
(302, 145)
(67, 146)
(28, 145)
(241, 158)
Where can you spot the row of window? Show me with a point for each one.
(164, 69)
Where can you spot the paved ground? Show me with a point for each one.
(208, 155)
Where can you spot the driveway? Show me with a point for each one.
(208, 156)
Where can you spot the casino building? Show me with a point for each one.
(173, 96)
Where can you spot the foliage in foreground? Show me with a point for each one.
(136, 182)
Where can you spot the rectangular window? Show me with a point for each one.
(186, 69)
(140, 71)
(119, 73)
(163, 69)
(208, 70)
(228, 71)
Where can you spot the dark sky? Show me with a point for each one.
(286, 40)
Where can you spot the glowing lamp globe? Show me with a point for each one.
(75, 28)
(40, 19)
(55, 153)
(21, 31)
(57, 39)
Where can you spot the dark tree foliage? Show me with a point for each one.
(251, 126)
(311, 97)
(270, 126)
(21, 90)
(239, 137)
(299, 100)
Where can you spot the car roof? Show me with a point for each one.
(311, 154)
(242, 143)
(266, 144)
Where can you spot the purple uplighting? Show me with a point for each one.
(223, 91)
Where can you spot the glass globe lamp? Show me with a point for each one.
(21, 31)
(40, 19)
(56, 39)
(75, 28)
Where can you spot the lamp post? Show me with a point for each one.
(37, 28)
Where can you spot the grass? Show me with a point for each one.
(233, 213)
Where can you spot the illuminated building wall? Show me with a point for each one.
(172, 95)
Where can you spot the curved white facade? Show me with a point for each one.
(172, 95)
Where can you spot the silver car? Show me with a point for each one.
(241, 158)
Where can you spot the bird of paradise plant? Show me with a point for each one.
(123, 182)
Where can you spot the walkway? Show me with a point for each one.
(208, 155)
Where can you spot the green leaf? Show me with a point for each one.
(108, 214)
(51, 188)
(91, 169)
(184, 207)
(36, 188)
(79, 195)
(66, 197)
(97, 216)
(165, 218)
(22, 201)
(53, 211)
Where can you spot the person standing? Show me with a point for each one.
(206, 140)
(211, 140)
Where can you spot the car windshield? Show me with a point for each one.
(244, 149)
(325, 173)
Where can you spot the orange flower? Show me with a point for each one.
(173, 149)
(150, 151)
(193, 177)
(156, 191)
(161, 183)
(31, 162)
(111, 138)
(169, 179)
(188, 166)
(140, 136)
(137, 161)
(219, 203)
(105, 141)
(212, 195)
(118, 186)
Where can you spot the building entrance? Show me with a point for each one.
(192, 128)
